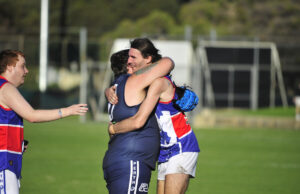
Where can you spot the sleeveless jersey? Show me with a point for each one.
(11, 138)
(141, 144)
(176, 135)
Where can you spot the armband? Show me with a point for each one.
(60, 113)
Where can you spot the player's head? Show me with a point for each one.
(142, 53)
(9, 58)
(118, 62)
(13, 66)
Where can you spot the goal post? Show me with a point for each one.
(224, 62)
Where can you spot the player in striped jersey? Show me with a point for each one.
(13, 109)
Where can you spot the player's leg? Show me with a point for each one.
(160, 187)
(128, 177)
(178, 170)
(161, 175)
(9, 184)
(143, 173)
(176, 183)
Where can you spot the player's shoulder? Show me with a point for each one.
(8, 89)
(160, 83)
(7, 92)
(7, 85)
(160, 80)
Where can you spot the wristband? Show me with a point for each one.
(60, 113)
(111, 130)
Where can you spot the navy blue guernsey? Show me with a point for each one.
(142, 144)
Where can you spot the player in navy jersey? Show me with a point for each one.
(13, 109)
(179, 147)
(132, 156)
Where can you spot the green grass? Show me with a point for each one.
(65, 157)
(268, 112)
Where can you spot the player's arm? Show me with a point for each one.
(12, 98)
(159, 69)
(139, 119)
(145, 77)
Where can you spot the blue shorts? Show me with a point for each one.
(127, 177)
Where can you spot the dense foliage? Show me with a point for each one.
(110, 18)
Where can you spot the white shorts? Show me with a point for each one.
(9, 184)
(184, 163)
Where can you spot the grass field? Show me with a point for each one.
(65, 157)
(283, 112)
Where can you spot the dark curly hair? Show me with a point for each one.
(146, 47)
(118, 62)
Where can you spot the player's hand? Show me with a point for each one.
(110, 133)
(25, 145)
(111, 96)
(76, 109)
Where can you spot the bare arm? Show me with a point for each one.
(12, 98)
(145, 77)
(157, 70)
(140, 118)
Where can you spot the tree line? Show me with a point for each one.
(108, 19)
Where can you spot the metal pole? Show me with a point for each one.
(272, 79)
(230, 99)
(280, 78)
(188, 34)
(43, 45)
(198, 78)
(83, 68)
(210, 98)
(255, 78)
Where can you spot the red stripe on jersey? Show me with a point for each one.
(1, 77)
(7, 109)
(3, 82)
(11, 138)
(181, 125)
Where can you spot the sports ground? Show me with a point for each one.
(65, 157)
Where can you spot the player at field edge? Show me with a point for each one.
(13, 109)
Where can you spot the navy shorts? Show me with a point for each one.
(127, 177)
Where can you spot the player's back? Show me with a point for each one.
(142, 144)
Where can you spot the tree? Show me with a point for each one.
(255, 18)
(19, 17)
